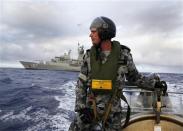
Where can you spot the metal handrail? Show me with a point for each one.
(144, 90)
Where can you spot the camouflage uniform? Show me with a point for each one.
(126, 71)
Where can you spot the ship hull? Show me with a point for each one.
(50, 66)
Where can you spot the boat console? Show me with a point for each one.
(153, 110)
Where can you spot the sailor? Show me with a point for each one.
(105, 68)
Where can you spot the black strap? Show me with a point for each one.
(128, 111)
(109, 106)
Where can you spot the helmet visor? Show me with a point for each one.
(98, 23)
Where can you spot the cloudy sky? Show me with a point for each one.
(42, 29)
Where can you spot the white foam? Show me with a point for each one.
(21, 116)
(59, 121)
(39, 117)
(65, 103)
(67, 87)
(67, 100)
(6, 116)
(174, 87)
(39, 126)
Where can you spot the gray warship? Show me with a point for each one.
(64, 62)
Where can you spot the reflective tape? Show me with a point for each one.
(102, 84)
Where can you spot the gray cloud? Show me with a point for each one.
(59, 19)
(161, 17)
(31, 29)
(33, 19)
(153, 17)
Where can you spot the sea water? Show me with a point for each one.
(42, 100)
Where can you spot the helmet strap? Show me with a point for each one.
(98, 50)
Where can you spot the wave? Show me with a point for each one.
(44, 100)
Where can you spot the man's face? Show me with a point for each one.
(95, 36)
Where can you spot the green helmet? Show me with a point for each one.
(105, 27)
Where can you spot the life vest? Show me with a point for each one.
(114, 66)
(103, 75)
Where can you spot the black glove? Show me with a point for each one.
(86, 115)
(162, 86)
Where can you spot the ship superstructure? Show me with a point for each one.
(64, 62)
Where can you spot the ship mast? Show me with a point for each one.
(80, 52)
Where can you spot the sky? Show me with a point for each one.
(42, 29)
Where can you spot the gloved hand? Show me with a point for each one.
(162, 86)
(86, 115)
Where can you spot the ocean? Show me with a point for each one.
(42, 100)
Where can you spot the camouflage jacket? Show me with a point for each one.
(126, 71)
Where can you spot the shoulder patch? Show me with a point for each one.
(125, 47)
